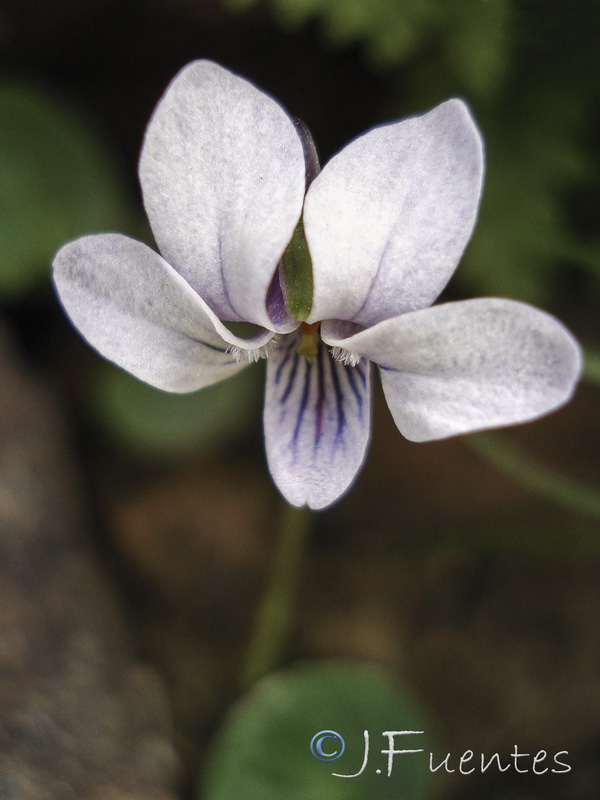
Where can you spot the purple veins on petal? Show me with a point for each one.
(323, 387)
(350, 373)
(320, 399)
(304, 400)
(339, 398)
(292, 375)
(317, 422)
(211, 346)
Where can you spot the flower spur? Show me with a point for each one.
(228, 181)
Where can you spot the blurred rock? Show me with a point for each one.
(79, 718)
(197, 541)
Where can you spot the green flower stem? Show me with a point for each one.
(277, 605)
(510, 459)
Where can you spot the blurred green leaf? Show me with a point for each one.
(263, 751)
(539, 132)
(156, 423)
(57, 181)
(523, 234)
(591, 367)
(470, 36)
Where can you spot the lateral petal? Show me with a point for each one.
(467, 366)
(137, 311)
(223, 178)
(317, 424)
(388, 218)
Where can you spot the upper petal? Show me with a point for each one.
(317, 424)
(138, 312)
(223, 177)
(389, 217)
(466, 366)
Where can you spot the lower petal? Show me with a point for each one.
(467, 366)
(317, 424)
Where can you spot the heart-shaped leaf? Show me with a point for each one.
(298, 727)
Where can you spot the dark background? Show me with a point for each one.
(476, 587)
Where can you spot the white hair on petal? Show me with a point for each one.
(240, 354)
(346, 357)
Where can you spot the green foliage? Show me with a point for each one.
(523, 232)
(156, 423)
(471, 35)
(591, 371)
(56, 181)
(263, 750)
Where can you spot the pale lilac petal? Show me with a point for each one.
(138, 312)
(388, 218)
(317, 424)
(467, 366)
(222, 172)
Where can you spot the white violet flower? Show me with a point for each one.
(228, 180)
